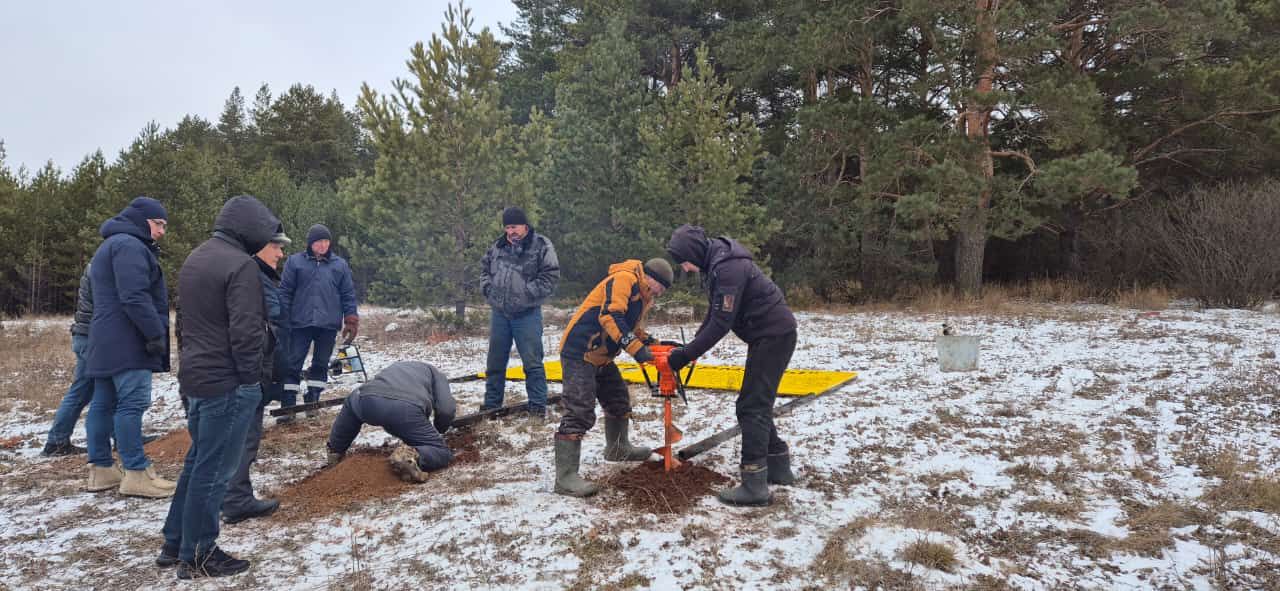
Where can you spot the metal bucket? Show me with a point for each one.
(957, 352)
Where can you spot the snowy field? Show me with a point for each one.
(1095, 448)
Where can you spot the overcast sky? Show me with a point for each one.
(82, 75)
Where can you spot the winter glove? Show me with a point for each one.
(677, 359)
(156, 346)
(649, 340)
(643, 355)
(350, 326)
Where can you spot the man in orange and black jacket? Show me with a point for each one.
(608, 322)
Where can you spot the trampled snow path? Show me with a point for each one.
(1041, 469)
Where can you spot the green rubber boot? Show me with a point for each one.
(617, 442)
(568, 452)
(754, 490)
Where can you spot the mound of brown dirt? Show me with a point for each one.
(650, 489)
(466, 450)
(170, 450)
(364, 475)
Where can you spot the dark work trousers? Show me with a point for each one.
(300, 341)
(767, 359)
(584, 384)
(402, 419)
(240, 497)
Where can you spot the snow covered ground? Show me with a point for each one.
(1095, 447)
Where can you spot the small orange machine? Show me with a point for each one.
(668, 385)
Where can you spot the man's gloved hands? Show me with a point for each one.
(643, 355)
(649, 340)
(678, 359)
(350, 326)
(156, 346)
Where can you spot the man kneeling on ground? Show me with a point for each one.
(401, 399)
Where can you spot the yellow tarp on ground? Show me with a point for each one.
(795, 382)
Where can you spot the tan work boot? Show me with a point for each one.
(137, 483)
(157, 480)
(404, 462)
(101, 479)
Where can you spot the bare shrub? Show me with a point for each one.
(1220, 244)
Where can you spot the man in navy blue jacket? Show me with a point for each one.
(318, 297)
(128, 340)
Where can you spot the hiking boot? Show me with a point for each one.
(214, 564)
(333, 459)
(143, 483)
(157, 480)
(779, 466)
(311, 413)
(168, 556)
(256, 508)
(568, 453)
(101, 478)
(65, 448)
(284, 420)
(149, 438)
(754, 490)
(404, 462)
(617, 442)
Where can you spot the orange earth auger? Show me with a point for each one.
(668, 385)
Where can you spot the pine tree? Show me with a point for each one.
(697, 162)
(449, 159)
(592, 203)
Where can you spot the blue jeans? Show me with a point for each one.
(299, 341)
(400, 418)
(526, 331)
(118, 404)
(78, 396)
(218, 428)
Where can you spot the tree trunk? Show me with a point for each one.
(971, 233)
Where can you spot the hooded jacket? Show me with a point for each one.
(516, 278)
(611, 319)
(741, 297)
(418, 383)
(224, 321)
(316, 291)
(130, 301)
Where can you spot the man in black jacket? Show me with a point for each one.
(744, 300)
(224, 330)
(81, 390)
(401, 399)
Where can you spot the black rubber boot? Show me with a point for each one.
(754, 490)
(62, 449)
(214, 564)
(780, 469)
(256, 508)
(617, 441)
(568, 482)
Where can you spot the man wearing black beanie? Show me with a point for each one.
(317, 297)
(517, 274)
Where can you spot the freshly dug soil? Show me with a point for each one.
(170, 450)
(364, 475)
(650, 489)
(466, 450)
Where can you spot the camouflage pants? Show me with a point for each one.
(584, 384)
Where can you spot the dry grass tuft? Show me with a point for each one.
(1150, 525)
(1069, 509)
(932, 555)
(833, 562)
(1246, 493)
(1142, 298)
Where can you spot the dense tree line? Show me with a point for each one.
(862, 147)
